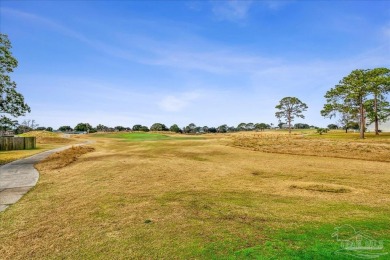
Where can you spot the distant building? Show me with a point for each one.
(7, 133)
(384, 127)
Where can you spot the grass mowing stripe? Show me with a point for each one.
(146, 137)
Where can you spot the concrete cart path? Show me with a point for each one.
(18, 177)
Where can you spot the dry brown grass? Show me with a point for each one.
(185, 199)
(300, 144)
(45, 137)
(45, 141)
(64, 158)
(42, 134)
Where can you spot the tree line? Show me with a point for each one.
(30, 125)
(360, 99)
(191, 128)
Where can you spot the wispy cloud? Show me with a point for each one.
(386, 32)
(276, 5)
(174, 103)
(45, 22)
(232, 10)
(163, 70)
(64, 30)
(239, 10)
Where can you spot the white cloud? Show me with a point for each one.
(174, 103)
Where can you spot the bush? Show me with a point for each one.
(322, 130)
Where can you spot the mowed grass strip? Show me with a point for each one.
(195, 199)
(137, 136)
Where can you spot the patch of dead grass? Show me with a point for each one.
(321, 188)
(301, 145)
(64, 158)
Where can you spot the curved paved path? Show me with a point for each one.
(18, 177)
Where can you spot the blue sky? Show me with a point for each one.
(202, 62)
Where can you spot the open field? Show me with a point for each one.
(204, 198)
(142, 136)
(45, 141)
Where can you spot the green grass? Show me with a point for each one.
(313, 242)
(136, 137)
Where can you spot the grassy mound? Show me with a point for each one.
(376, 149)
(40, 134)
(64, 158)
(45, 137)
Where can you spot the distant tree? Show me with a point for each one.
(21, 129)
(205, 129)
(262, 126)
(7, 124)
(26, 126)
(289, 108)
(83, 127)
(250, 127)
(158, 127)
(241, 127)
(353, 125)
(333, 126)
(65, 128)
(11, 102)
(231, 129)
(144, 129)
(101, 128)
(301, 126)
(222, 129)
(346, 118)
(191, 128)
(280, 125)
(120, 128)
(28, 123)
(49, 129)
(137, 127)
(322, 130)
(198, 129)
(212, 130)
(175, 128)
(41, 128)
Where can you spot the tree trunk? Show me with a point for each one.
(376, 115)
(361, 119)
(289, 123)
